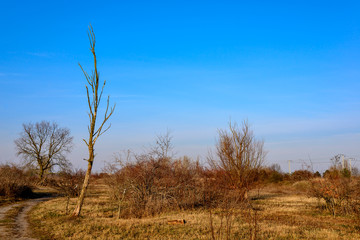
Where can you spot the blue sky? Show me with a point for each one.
(291, 69)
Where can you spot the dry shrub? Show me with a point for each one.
(15, 182)
(67, 183)
(240, 156)
(155, 182)
(336, 192)
(269, 175)
(151, 185)
(300, 175)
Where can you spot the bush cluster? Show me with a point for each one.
(340, 192)
(15, 182)
(151, 185)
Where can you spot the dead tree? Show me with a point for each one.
(94, 100)
(44, 146)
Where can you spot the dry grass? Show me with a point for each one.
(281, 214)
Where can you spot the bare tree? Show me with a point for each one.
(239, 156)
(94, 100)
(44, 146)
(163, 149)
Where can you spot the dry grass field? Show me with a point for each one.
(278, 212)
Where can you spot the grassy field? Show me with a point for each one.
(281, 212)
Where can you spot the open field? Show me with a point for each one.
(279, 212)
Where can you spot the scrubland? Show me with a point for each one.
(278, 211)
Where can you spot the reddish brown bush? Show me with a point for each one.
(15, 182)
(150, 186)
(154, 182)
(300, 175)
(340, 194)
(240, 156)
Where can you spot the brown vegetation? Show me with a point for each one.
(15, 182)
(239, 156)
(279, 213)
(67, 183)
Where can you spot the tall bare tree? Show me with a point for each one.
(44, 146)
(239, 156)
(94, 98)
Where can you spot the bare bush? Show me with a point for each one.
(14, 182)
(240, 156)
(67, 183)
(150, 185)
(154, 182)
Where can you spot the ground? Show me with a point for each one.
(14, 219)
(284, 212)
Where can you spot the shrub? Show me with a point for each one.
(150, 186)
(240, 156)
(300, 175)
(269, 175)
(14, 182)
(67, 183)
(336, 192)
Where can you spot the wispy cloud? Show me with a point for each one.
(41, 54)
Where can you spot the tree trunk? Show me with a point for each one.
(80, 201)
(41, 173)
(119, 209)
(67, 204)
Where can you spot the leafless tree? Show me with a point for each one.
(94, 98)
(44, 146)
(239, 156)
(163, 149)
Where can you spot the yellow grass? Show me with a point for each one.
(280, 216)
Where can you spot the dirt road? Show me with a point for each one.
(21, 226)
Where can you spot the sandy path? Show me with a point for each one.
(21, 231)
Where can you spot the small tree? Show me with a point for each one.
(68, 183)
(239, 156)
(94, 100)
(44, 146)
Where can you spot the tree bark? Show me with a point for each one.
(81, 198)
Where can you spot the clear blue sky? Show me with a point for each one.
(291, 69)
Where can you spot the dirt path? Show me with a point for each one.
(21, 229)
(4, 233)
